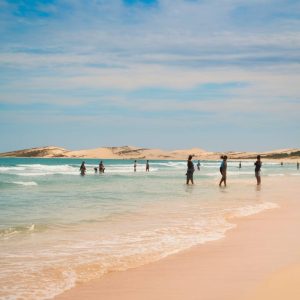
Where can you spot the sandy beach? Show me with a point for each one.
(258, 259)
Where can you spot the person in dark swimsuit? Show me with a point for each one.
(101, 167)
(190, 170)
(258, 164)
(223, 170)
(147, 166)
(134, 166)
(82, 169)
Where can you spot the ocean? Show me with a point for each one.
(58, 228)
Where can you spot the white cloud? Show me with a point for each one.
(106, 47)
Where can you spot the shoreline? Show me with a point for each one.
(235, 267)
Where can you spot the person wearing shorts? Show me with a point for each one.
(223, 170)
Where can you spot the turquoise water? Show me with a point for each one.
(58, 228)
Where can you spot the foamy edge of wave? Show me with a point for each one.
(144, 255)
(12, 231)
(252, 209)
(25, 183)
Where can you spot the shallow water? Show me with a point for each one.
(57, 227)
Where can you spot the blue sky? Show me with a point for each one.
(171, 74)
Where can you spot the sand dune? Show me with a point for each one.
(131, 152)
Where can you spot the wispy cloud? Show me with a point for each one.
(112, 55)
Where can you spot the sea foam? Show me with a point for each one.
(25, 183)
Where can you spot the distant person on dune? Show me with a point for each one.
(223, 170)
(82, 169)
(190, 170)
(258, 164)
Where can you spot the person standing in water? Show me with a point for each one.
(190, 170)
(101, 167)
(258, 164)
(198, 165)
(134, 166)
(240, 165)
(82, 169)
(147, 166)
(223, 170)
(297, 165)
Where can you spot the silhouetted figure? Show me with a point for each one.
(258, 164)
(190, 170)
(198, 165)
(281, 163)
(147, 166)
(82, 169)
(297, 165)
(95, 169)
(240, 165)
(223, 170)
(101, 167)
(134, 166)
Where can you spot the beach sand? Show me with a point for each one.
(283, 284)
(259, 259)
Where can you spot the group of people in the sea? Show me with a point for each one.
(223, 169)
(191, 169)
(101, 167)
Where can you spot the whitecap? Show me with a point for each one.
(26, 183)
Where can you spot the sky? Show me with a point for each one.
(220, 75)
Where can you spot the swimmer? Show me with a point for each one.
(82, 169)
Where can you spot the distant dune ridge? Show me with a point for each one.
(130, 152)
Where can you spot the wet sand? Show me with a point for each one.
(260, 256)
